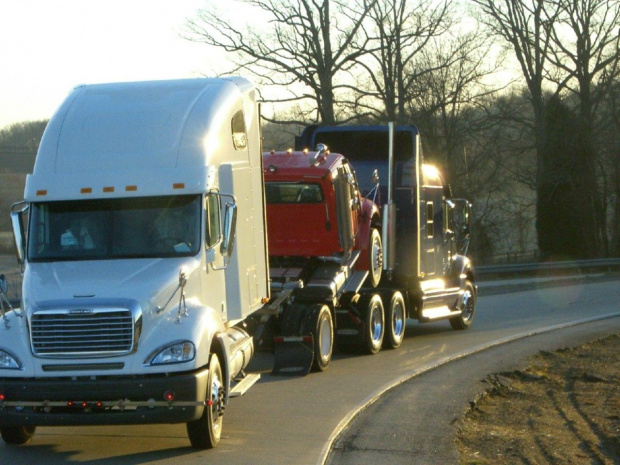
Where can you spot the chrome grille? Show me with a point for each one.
(82, 332)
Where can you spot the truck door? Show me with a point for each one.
(355, 198)
(348, 206)
(434, 249)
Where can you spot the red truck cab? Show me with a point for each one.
(315, 209)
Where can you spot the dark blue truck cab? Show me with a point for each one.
(425, 231)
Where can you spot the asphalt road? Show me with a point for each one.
(295, 420)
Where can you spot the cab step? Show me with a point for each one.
(244, 384)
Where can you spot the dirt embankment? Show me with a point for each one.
(564, 409)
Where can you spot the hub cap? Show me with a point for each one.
(376, 325)
(468, 305)
(325, 339)
(398, 320)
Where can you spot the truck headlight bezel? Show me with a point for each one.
(173, 353)
(9, 361)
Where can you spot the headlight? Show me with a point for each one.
(178, 352)
(8, 361)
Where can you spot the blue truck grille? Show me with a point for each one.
(84, 333)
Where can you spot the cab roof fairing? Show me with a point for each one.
(139, 133)
(300, 164)
(310, 136)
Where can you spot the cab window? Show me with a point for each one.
(213, 218)
(239, 136)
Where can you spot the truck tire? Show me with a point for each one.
(375, 258)
(17, 435)
(320, 324)
(395, 321)
(205, 433)
(468, 307)
(374, 323)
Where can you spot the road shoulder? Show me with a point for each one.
(415, 422)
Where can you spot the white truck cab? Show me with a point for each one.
(136, 278)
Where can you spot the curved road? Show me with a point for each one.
(416, 421)
(295, 420)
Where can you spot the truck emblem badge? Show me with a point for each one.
(81, 311)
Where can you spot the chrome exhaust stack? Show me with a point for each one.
(388, 226)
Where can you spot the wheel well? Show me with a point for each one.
(470, 276)
(216, 348)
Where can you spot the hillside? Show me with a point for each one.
(13, 170)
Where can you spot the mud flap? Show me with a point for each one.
(293, 355)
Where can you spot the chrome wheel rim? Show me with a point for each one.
(325, 339)
(398, 320)
(216, 400)
(376, 324)
(377, 257)
(468, 305)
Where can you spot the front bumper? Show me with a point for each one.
(103, 401)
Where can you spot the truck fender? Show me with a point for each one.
(370, 218)
(463, 269)
(221, 346)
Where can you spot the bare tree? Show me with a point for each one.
(586, 54)
(526, 26)
(445, 99)
(303, 44)
(612, 164)
(492, 165)
(569, 45)
(566, 185)
(22, 137)
(397, 31)
(586, 50)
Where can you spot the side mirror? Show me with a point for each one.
(375, 177)
(230, 226)
(460, 222)
(19, 236)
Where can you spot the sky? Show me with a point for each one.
(47, 47)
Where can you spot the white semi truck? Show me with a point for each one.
(133, 296)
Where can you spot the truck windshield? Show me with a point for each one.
(115, 228)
